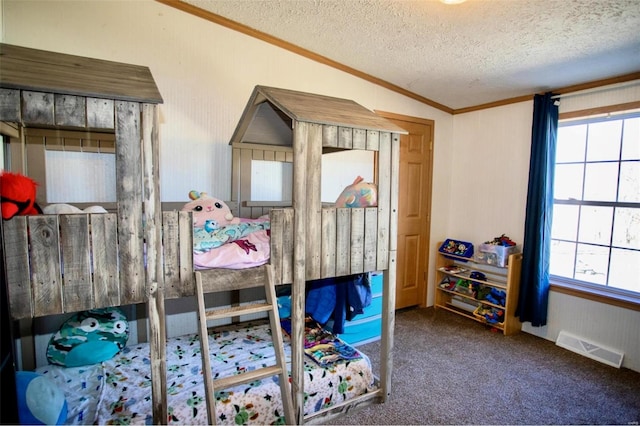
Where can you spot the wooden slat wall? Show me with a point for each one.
(76, 262)
(15, 235)
(384, 199)
(328, 243)
(154, 278)
(72, 260)
(299, 195)
(129, 193)
(177, 240)
(389, 278)
(41, 108)
(86, 248)
(104, 244)
(313, 204)
(45, 265)
(241, 158)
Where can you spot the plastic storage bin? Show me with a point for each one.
(500, 254)
(457, 248)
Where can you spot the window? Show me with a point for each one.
(596, 216)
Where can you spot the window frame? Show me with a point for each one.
(582, 289)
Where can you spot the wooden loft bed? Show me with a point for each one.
(52, 90)
(308, 240)
(320, 241)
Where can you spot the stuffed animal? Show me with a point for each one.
(358, 194)
(40, 401)
(89, 337)
(18, 195)
(209, 211)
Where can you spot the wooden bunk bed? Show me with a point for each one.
(151, 250)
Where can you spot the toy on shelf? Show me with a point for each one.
(489, 314)
(448, 283)
(497, 297)
(457, 248)
(502, 240)
(496, 252)
(466, 287)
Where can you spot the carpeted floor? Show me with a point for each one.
(450, 370)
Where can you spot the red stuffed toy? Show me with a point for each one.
(17, 195)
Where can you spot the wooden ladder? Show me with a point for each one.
(270, 306)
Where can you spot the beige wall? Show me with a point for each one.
(492, 148)
(206, 73)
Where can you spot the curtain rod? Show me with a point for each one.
(598, 89)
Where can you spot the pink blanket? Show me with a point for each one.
(249, 251)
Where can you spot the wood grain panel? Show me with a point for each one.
(10, 105)
(343, 241)
(104, 243)
(357, 240)
(395, 183)
(100, 113)
(37, 108)
(187, 282)
(328, 264)
(129, 192)
(287, 246)
(314, 205)
(244, 187)
(370, 239)
(276, 218)
(171, 250)
(45, 265)
(17, 271)
(330, 136)
(46, 71)
(373, 140)
(76, 263)
(359, 139)
(70, 110)
(345, 137)
(214, 280)
(384, 199)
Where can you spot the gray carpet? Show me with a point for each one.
(451, 370)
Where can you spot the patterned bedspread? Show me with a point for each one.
(118, 391)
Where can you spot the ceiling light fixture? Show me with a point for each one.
(452, 1)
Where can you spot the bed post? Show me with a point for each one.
(389, 290)
(300, 146)
(154, 280)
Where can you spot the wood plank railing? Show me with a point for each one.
(67, 263)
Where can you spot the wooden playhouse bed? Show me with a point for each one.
(67, 263)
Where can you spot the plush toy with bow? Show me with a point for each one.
(209, 211)
(214, 225)
(17, 195)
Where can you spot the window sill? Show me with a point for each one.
(619, 300)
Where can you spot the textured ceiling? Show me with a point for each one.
(459, 56)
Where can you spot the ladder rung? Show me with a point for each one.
(251, 308)
(249, 376)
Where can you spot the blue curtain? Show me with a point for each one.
(534, 281)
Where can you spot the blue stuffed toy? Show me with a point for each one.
(89, 337)
(40, 401)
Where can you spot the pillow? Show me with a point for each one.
(40, 401)
(89, 337)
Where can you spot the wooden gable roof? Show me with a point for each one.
(43, 71)
(269, 114)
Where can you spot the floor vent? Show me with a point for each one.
(589, 349)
